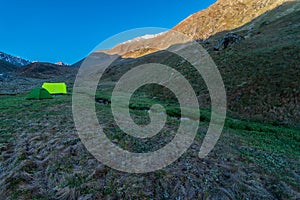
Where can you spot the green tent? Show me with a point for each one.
(55, 88)
(39, 93)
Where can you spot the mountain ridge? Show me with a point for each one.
(42, 70)
(216, 19)
(14, 60)
(225, 15)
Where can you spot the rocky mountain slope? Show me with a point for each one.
(142, 46)
(17, 61)
(224, 15)
(6, 67)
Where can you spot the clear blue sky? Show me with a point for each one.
(63, 30)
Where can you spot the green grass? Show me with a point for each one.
(269, 138)
(13, 105)
(267, 146)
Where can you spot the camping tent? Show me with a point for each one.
(39, 93)
(55, 88)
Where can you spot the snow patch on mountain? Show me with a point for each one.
(17, 61)
(145, 37)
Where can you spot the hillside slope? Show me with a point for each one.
(261, 74)
(42, 70)
(6, 67)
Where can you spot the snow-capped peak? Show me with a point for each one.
(17, 61)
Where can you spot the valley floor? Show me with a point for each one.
(42, 157)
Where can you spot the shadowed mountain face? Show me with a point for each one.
(261, 73)
(42, 70)
(6, 67)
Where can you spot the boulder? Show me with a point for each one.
(228, 40)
